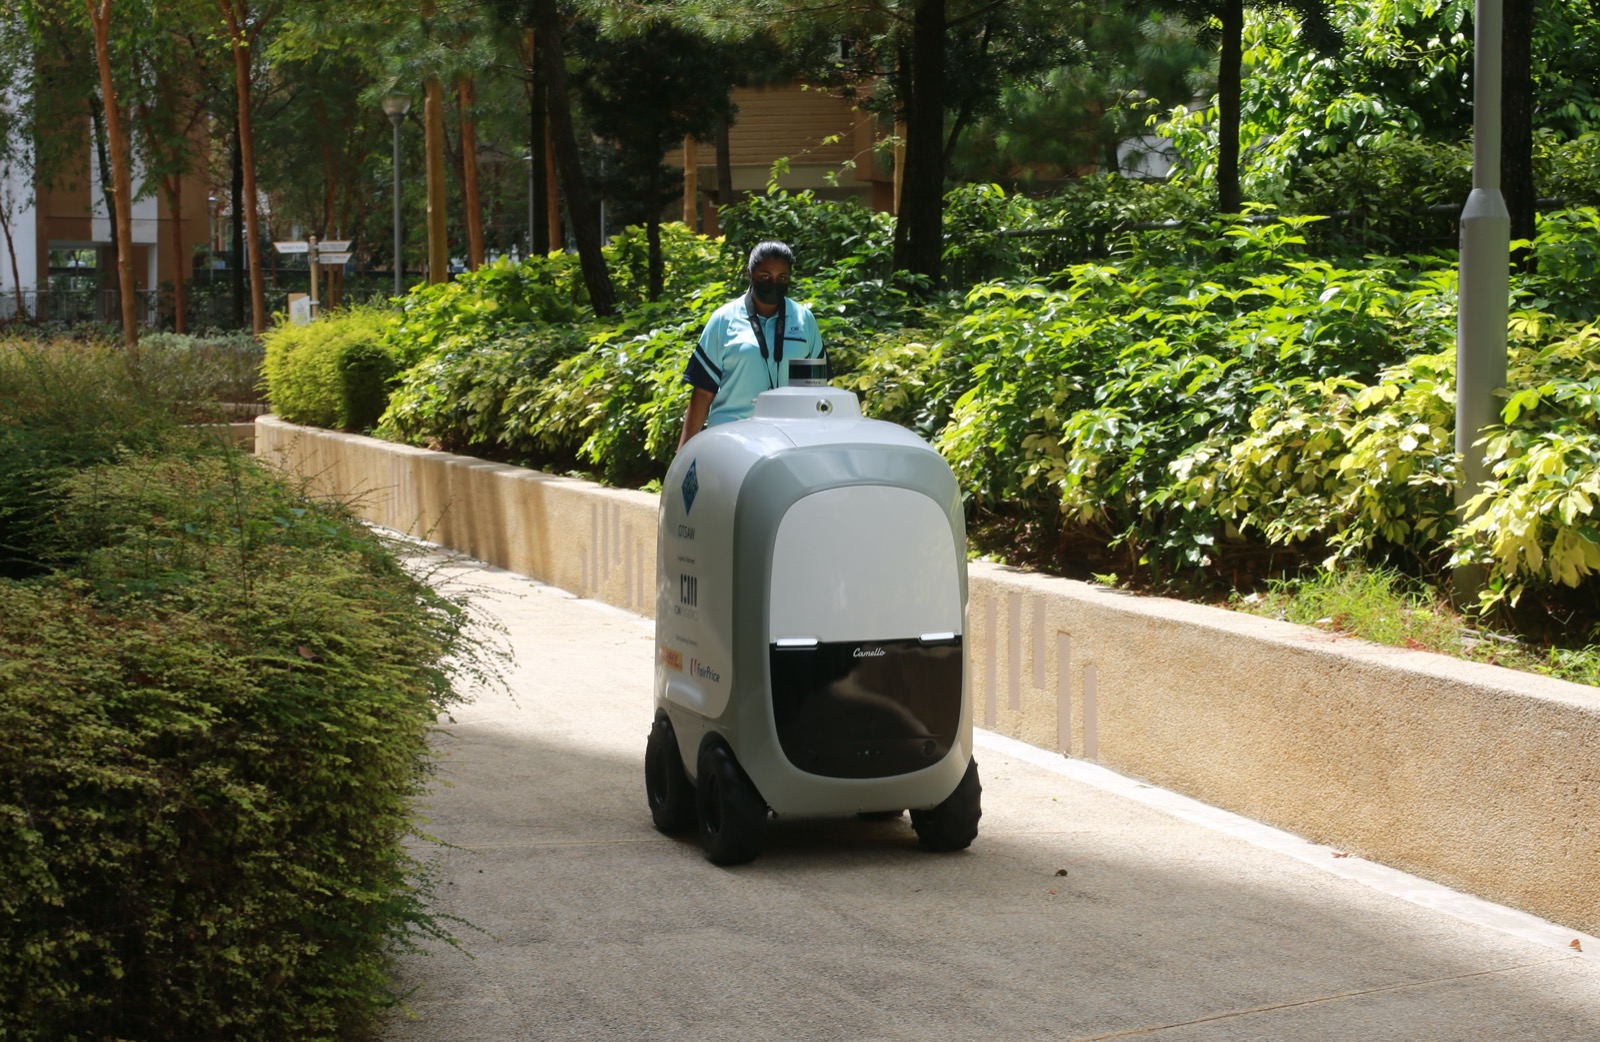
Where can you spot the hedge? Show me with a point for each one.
(214, 700)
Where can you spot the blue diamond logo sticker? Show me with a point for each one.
(691, 487)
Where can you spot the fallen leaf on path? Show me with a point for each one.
(1575, 946)
(1340, 853)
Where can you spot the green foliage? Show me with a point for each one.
(1206, 400)
(1387, 192)
(64, 407)
(203, 372)
(1535, 523)
(1566, 254)
(823, 233)
(333, 372)
(212, 723)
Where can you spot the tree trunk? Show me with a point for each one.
(724, 165)
(236, 220)
(173, 189)
(538, 179)
(11, 250)
(552, 186)
(241, 34)
(654, 278)
(538, 162)
(108, 194)
(919, 231)
(691, 183)
(1230, 71)
(1516, 125)
(121, 174)
(466, 97)
(585, 222)
(433, 145)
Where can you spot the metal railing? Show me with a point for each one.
(77, 305)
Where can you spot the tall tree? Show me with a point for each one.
(646, 92)
(180, 79)
(552, 59)
(100, 12)
(472, 201)
(1225, 20)
(244, 20)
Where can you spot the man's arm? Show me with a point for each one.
(694, 417)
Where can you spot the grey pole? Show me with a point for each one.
(1485, 281)
(395, 106)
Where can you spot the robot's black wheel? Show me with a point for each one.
(666, 785)
(733, 816)
(953, 824)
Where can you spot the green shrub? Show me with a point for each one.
(822, 232)
(211, 727)
(1566, 255)
(475, 391)
(63, 407)
(202, 373)
(1536, 524)
(333, 372)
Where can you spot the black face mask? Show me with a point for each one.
(770, 292)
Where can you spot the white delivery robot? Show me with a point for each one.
(811, 596)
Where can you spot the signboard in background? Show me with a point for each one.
(300, 309)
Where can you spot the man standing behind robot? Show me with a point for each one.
(745, 343)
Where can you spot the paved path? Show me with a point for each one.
(1090, 906)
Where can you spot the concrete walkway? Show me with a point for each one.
(1090, 906)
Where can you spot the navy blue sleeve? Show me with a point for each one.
(696, 375)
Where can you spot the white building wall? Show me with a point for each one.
(16, 196)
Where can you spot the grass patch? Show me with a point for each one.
(1389, 608)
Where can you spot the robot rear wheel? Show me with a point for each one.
(666, 785)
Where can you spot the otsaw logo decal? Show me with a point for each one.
(691, 486)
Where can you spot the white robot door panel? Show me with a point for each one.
(864, 562)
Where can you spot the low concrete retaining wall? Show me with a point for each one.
(1481, 778)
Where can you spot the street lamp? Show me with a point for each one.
(395, 106)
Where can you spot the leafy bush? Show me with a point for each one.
(333, 372)
(1210, 399)
(64, 407)
(1536, 524)
(202, 373)
(1387, 188)
(212, 723)
(475, 392)
(1566, 255)
(823, 233)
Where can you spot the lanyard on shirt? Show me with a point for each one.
(761, 337)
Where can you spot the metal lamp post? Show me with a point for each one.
(395, 106)
(1484, 279)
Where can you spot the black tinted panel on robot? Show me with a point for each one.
(866, 709)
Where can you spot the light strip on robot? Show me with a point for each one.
(934, 638)
(796, 642)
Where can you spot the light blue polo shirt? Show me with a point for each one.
(728, 361)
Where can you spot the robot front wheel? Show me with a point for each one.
(953, 824)
(733, 816)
